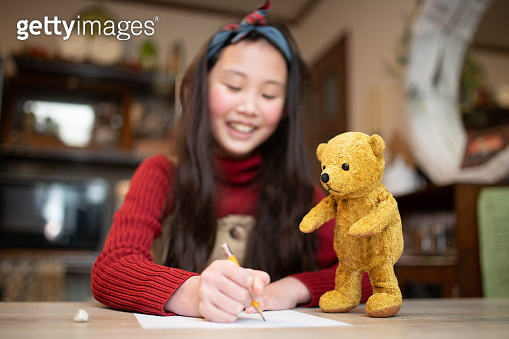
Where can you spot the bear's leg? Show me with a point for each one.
(347, 293)
(386, 299)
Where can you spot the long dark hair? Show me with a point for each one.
(275, 245)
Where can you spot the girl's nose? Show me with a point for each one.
(249, 105)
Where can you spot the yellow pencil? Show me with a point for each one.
(231, 257)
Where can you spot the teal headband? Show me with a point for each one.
(254, 22)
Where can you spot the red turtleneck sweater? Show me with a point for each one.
(125, 277)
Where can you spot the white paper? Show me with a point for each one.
(285, 318)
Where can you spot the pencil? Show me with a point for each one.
(231, 257)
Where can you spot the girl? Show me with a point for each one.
(238, 176)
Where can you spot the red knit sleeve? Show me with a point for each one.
(322, 280)
(124, 275)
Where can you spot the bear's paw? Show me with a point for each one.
(383, 305)
(336, 302)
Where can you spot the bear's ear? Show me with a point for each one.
(377, 144)
(319, 151)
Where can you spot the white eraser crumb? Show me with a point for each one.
(81, 316)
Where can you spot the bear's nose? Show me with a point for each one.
(324, 177)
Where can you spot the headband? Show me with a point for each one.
(254, 22)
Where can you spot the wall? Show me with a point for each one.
(496, 73)
(374, 27)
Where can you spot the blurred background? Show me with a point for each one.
(78, 114)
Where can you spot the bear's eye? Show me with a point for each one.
(345, 167)
(323, 167)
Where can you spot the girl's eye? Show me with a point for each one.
(266, 96)
(233, 88)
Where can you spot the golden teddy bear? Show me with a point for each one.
(368, 233)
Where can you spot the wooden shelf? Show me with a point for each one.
(127, 91)
(91, 156)
(130, 75)
(422, 260)
(458, 275)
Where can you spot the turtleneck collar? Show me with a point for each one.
(238, 171)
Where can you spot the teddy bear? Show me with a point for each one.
(368, 234)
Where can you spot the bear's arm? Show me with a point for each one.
(375, 222)
(324, 211)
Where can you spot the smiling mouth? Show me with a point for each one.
(331, 189)
(242, 128)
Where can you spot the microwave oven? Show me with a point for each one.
(52, 212)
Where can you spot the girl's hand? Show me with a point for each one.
(221, 292)
(283, 294)
(227, 289)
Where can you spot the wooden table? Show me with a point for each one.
(424, 318)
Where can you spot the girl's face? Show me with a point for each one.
(247, 93)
